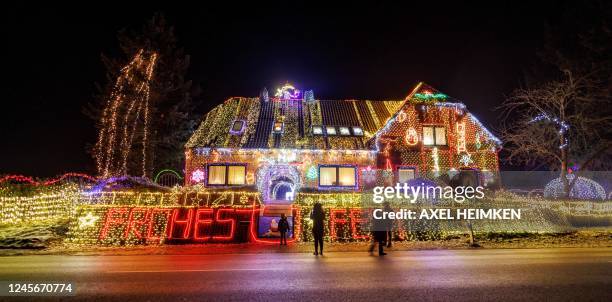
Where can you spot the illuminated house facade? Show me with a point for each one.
(291, 143)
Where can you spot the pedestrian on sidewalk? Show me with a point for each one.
(388, 224)
(318, 221)
(283, 227)
(379, 235)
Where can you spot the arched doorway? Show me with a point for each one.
(278, 183)
(283, 189)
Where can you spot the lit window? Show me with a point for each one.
(434, 136)
(230, 175)
(216, 175)
(405, 174)
(337, 176)
(278, 127)
(317, 130)
(344, 131)
(357, 131)
(331, 130)
(346, 176)
(236, 175)
(237, 127)
(327, 176)
(440, 136)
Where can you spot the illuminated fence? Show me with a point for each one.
(134, 214)
(61, 202)
(174, 198)
(42, 207)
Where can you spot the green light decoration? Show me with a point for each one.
(169, 171)
(312, 172)
(428, 96)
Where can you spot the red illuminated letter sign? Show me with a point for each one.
(153, 216)
(186, 223)
(137, 218)
(114, 216)
(201, 221)
(231, 222)
(333, 213)
(355, 215)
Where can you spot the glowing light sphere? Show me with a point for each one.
(584, 188)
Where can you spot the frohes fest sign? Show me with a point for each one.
(176, 225)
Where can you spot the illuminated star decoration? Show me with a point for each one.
(466, 159)
(88, 220)
(197, 175)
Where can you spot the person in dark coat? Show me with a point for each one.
(283, 227)
(318, 221)
(389, 224)
(379, 236)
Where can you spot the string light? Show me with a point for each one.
(466, 159)
(412, 137)
(197, 176)
(461, 137)
(563, 126)
(128, 102)
(88, 220)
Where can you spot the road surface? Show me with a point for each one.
(443, 275)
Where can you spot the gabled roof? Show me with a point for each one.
(298, 117)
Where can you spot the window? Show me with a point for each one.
(317, 130)
(236, 175)
(345, 131)
(346, 176)
(405, 174)
(327, 176)
(216, 175)
(434, 136)
(226, 175)
(357, 131)
(440, 136)
(331, 130)
(237, 127)
(278, 127)
(337, 176)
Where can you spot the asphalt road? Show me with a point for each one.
(443, 275)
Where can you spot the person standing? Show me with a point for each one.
(388, 224)
(283, 227)
(318, 222)
(379, 235)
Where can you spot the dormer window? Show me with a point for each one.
(237, 127)
(357, 131)
(331, 130)
(278, 127)
(317, 130)
(344, 131)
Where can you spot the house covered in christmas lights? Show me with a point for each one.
(291, 143)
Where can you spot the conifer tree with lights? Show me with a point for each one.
(144, 113)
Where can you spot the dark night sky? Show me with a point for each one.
(477, 53)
